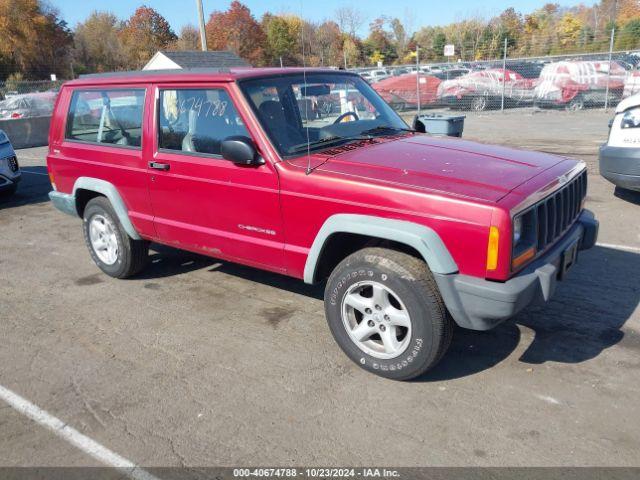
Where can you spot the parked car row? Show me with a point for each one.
(573, 85)
(26, 105)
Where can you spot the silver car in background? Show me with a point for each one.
(9, 168)
(27, 105)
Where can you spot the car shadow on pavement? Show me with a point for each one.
(627, 195)
(165, 261)
(34, 187)
(584, 318)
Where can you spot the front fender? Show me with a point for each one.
(423, 239)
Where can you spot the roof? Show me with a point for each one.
(195, 75)
(200, 59)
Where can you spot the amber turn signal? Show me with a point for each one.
(523, 258)
(492, 249)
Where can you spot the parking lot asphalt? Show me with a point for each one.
(199, 362)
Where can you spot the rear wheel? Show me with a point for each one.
(386, 313)
(479, 103)
(111, 248)
(577, 103)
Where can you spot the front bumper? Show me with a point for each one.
(621, 166)
(481, 304)
(9, 170)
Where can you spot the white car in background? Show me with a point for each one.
(620, 157)
(377, 75)
(9, 168)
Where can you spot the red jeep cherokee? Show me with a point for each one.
(410, 232)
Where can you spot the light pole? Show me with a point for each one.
(203, 35)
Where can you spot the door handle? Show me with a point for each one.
(159, 166)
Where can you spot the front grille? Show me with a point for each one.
(557, 212)
(13, 163)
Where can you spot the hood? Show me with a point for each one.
(632, 101)
(444, 165)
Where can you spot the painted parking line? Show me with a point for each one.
(72, 436)
(624, 248)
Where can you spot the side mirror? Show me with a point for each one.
(240, 150)
(418, 125)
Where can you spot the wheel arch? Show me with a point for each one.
(364, 229)
(86, 188)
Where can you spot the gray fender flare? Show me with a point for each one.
(424, 239)
(111, 192)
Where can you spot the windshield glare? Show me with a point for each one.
(319, 110)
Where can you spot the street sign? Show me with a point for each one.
(449, 50)
(54, 78)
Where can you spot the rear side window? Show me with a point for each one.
(107, 117)
(197, 120)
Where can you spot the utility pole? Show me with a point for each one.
(504, 74)
(606, 94)
(418, 77)
(203, 35)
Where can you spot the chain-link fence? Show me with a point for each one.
(24, 99)
(480, 80)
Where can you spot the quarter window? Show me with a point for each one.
(197, 120)
(106, 116)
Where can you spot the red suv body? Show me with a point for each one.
(246, 166)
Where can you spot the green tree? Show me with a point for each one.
(629, 36)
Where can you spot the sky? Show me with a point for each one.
(414, 13)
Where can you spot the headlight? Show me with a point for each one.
(631, 119)
(517, 230)
(524, 238)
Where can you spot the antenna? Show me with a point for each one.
(306, 106)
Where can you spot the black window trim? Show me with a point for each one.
(100, 144)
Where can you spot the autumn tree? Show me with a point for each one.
(237, 30)
(569, 29)
(35, 40)
(189, 39)
(379, 44)
(329, 41)
(97, 45)
(144, 34)
(283, 39)
(350, 20)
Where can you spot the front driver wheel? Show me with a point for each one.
(385, 311)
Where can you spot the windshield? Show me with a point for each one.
(324, 111)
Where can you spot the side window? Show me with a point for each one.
(106, 116)
(197, 121)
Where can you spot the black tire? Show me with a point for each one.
(410, 279)
(479, 103)
(576, 104)
(132, 256)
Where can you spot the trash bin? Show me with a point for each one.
(438, 124)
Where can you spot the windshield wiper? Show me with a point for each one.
(324, 141)
(386, 128)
